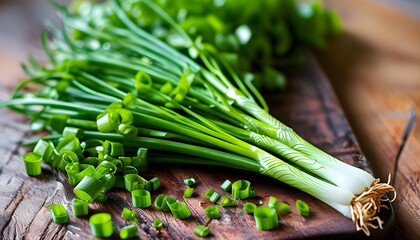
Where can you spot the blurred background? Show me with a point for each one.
(374, 68)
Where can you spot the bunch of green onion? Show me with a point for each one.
(112, 90)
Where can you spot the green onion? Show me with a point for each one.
(162, 202)
(129, 215)
(32, 162)
(212, 212)
(302, 207)
(101, 225)
(226, 185)
(188, 192)
(214, 197)
(88, 189)
(240, 189)
(59, 214)
(80, 207)
(273, 202)
(265, 218)
(227, 202)
(128, 232)
(283, 208)
(157, 223)
(155, 182)
(201, 231)
(145, 101)
(180, 210)
(141, 198)
(249, 207)
(189, 181)
(208, 193)
(132, 180)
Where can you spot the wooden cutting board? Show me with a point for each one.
(308, 105)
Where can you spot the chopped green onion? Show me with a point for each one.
(141, 198)
(302, 207)
(80, 207)
(162, 202)
(226, 185)
(265, 218)
(240, 189)
(208, 193)
(283, 208)
(132, 180)
(129, 231)
(59, 214)
(155, 183)
(45, 150)
(101, 197)
(32, 162)
(188, 192)
(180, 210)
(101, 225)
(129, 215)
(201, 231)
(273, 202)
(249, 207)
(212, 212)
(214, 197)
(157, 223)
(88, 189)
(252, 193)
(227, 202)
(189, 181)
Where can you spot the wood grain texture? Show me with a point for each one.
(375, 70)
(308, 105)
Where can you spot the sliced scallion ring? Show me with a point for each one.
(141, 198)
(302, 207)
(212, 212)
(180, 210)
(265, 218)
(101, 225)
(129, 231)
(59, 214)
(32, 163)
(240, 189)
(201, 231)
(80, 207)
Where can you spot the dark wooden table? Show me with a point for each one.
(312, 110)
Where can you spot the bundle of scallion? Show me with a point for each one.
(113, 89)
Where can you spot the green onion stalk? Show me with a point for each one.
(111, 88)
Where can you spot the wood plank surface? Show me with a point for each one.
(308, 105)
(375, 70)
